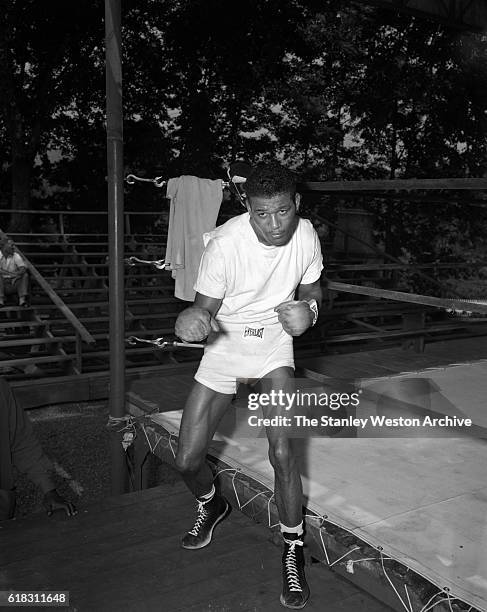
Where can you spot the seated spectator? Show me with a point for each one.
(19, 447)
(14, 277)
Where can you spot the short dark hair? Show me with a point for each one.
(267, 180)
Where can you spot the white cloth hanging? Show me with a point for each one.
(195, 203)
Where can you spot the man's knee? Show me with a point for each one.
(23, 280)
(281, 454)
(188, 463)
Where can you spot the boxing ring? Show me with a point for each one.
(404, 501)
(404, 507)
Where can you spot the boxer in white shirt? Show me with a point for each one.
(246, 306)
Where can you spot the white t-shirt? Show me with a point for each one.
(253, 278)
(9, 266)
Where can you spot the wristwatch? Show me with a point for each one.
(313, 304)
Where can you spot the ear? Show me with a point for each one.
(297, 201)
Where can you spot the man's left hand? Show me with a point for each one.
(295, 316)
(53, 501)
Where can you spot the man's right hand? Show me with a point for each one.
(194, 324)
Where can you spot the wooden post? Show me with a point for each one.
(79, 353)
(61, 226)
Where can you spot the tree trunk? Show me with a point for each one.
(21, 176)
(235, 129)
(21, 173)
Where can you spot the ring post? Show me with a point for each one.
(115, 234)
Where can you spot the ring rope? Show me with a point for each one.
(161, 343)
(455, 306)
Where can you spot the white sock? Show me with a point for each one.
(298, 530)
(207, 496)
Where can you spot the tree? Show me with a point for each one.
(46, 51)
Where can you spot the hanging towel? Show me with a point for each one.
(194, 207)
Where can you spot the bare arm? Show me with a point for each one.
(210, 304)
(311, 291)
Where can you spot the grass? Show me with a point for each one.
(74, 436)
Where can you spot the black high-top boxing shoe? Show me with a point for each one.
(209, 514)
(295, 589)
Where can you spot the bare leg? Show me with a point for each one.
(203, 411)
(288, 493)
(288, 490)
(201, 415)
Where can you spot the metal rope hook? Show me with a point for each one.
(157, 263)
(158, 181)
(161, 343)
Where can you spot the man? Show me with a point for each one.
(247, 280)
(19, 447)
(14, 277)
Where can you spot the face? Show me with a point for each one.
(8, 250)
(273, 219)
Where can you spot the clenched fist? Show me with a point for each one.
(194, 324)
(295, 316)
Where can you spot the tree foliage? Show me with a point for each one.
(333, 91)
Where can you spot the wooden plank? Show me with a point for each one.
(128, 352)
(395, 360)
(170, 392)
(68, 254)
(375, 309)
(41, 266)
(26, 323)
(325, 586)
(38, 537)
(82, 213)
(135, 560)
(85, 387)
(104, 290)
(35, 341)
(104, 303)
(97, 531)
(35, 360)
(340, 337)
(470, 184)
(338, 267)
(352, 365)
(104, 277)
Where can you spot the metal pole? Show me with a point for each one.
(115, 233)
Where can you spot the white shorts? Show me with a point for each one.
(244, 353)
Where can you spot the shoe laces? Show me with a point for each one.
(200, 519)
(290, 563)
